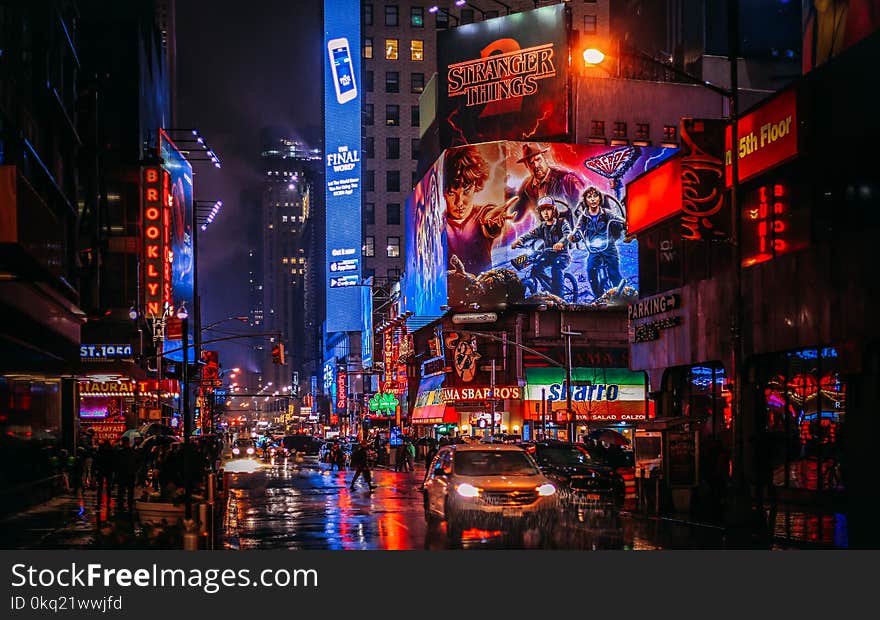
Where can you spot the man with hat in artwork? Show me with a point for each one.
(546, 180)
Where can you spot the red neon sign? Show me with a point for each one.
(765, 137)
(154, 239)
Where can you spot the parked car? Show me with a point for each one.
(583, 479)
(488, 486)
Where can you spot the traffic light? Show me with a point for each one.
(278, 353)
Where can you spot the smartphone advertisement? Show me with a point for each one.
(342, 139)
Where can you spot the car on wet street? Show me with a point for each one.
(243, 448)
(488, 486)
(583, 478)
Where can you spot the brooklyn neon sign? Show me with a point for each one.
(157, 240)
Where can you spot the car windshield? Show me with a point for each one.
(493, 463)
(564, 456)
(244, 443)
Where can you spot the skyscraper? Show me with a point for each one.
(290, 187)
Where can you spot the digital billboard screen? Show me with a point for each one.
(342, 140)
(524, 223)
(183, 265)
(504, 78)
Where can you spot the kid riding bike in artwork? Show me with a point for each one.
(600, 224)
(553, 233)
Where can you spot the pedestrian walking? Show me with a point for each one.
(410, 455)
(104, 465)
(126, 472)
(360, 465)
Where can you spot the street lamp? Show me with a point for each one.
(183, 315)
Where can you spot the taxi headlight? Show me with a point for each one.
(546, 489)
(467, 490)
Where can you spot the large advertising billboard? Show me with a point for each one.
(832, 26)
(504, 78)
(524, 223)
(183, 263)
(342, 140)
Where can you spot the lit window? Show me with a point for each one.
(590, 24)
(417, 50)
(392, 250)
(369, 246)
(417, 17)
(368, 47)
(390, 49)
(283, 218)
(284, 260)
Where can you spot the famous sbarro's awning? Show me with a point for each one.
(430, 407)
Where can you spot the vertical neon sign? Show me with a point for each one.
(153, 226)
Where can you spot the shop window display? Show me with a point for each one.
(805, 406)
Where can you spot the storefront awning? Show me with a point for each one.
(430, 407)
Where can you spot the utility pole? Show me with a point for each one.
(572, 424)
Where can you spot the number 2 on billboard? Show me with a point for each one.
(343, 69)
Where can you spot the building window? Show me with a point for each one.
(415, 148)
(619, 129)
(392, 82)
(370, 180)
(391, 49)
(392, 249)
(418, 83)
(415, 178)
(369, 213)
(414, 116)
(368, 15)
(368, 114)
(392, 148)
(442, 19)
(369, 148)
(368, 81)
(392, 115)
(597, 129)
(392, 214)
(393, 275)
(590, 24)
(417, 49)
(391, 15)
(368, 47)
(417, 17)
(392, 181)
(467, 16)
(670, 133)
(369, 246)
(643, 131)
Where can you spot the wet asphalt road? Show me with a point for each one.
(289, 505)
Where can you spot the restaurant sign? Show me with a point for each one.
(107, 388)
(499, 392)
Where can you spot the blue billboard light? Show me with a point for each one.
(342, 139)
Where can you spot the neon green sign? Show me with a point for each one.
(384, 402)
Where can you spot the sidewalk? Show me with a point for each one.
(65, 521)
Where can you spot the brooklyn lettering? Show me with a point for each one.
(501, 76)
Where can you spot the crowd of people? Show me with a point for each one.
(156, 466)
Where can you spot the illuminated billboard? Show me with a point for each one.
(766, 136)
(830, 28)
(181, 188)
(342, 140)
(504, 78)
(597, 394)
(524, 223)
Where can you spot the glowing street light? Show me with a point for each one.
(593, 56)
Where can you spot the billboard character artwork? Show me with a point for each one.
(524, 223)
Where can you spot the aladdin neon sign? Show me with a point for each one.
(157, 202)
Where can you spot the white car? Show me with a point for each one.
(488, 486)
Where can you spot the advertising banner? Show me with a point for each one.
(155, 226)
(767, 136)
(832, 27)
(598, 394)
(703, 202)
(342, 139)
(504, 78)
(183, 265)
(503, 223)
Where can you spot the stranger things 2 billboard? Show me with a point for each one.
(504, 78)
(477, 240)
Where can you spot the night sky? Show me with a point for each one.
(242, 66)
